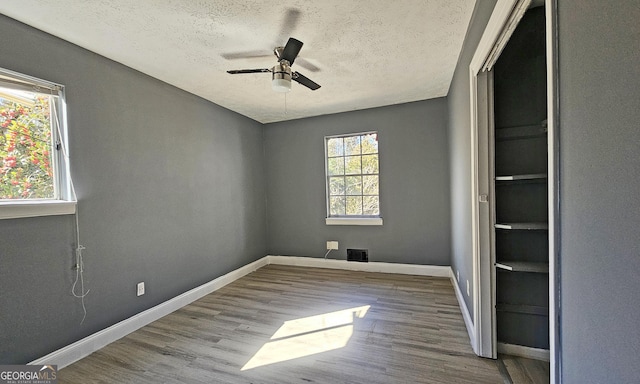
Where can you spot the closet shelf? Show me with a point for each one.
(521, 132)
(521, 308)
(529, 176)
(523, 266)
(523, 226)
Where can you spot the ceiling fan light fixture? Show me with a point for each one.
(281, 77)
(281, 85)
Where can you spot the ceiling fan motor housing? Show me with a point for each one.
(281, 77)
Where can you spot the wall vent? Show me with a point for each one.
(361, 255)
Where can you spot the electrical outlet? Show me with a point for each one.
(458, 275)
(332, 245)
(141, 289)
(468, 291)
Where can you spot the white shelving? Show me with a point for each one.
(522, 132)
(523, 226)
(525, 309)
(523, 266)
(520, 188)
(530, 176)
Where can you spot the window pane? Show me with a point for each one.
(370, 185)
(336, 166)
(370, 143)
(371, 205)
(352, 145)
(335, 147)
(354, 205)
(336, 186)
(353, 175)
(26, 170)
(353, 165)
(370, 164)
(354, 185)
(337, 206)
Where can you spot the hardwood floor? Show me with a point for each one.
(285, 324)
(526, 371)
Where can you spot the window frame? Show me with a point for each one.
(64, 200)
(349, 219)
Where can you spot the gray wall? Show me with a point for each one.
(460, 150)
(171, 192)
(414, 185)
(599, 194)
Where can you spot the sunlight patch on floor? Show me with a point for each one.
(308, 336)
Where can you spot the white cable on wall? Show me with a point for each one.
(79, 270)
(79, 247)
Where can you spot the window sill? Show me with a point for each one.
(20, 209)
(354, 220)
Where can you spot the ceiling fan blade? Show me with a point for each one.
(236, 71)
(246, 55)
(291, 50)
(289, 24)
(306, 64)
(302, 79)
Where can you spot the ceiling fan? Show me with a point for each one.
(281, 74)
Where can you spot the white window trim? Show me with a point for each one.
(66, 202)
(354, 220)
(347, 220)
(35, 208)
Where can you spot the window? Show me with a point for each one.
(353, 179)
(33, 168)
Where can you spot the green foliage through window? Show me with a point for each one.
(353, 179)
(26, 170)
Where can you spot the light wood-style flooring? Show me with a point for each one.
(525, 371)
(285, 324)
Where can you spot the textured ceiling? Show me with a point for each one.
(366, 53)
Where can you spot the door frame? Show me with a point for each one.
(504, 19)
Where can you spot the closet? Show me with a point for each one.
(520, 206)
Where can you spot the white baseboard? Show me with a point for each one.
(92, 343)
(468, 322)
(84, 347)
(522, 351)
(405, 269)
